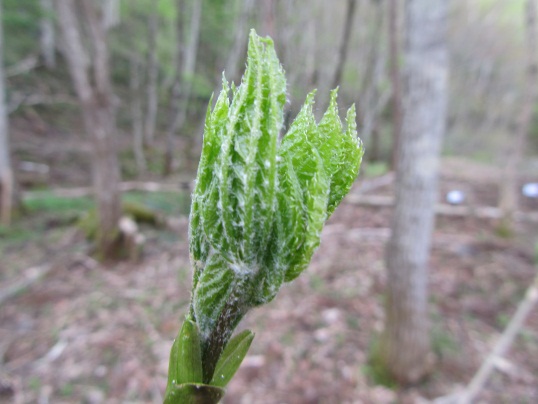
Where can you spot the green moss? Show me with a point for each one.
(88, 224)
(16, 234)
(504, 229)
(443, 344)
(34, 383)
(375, 169)
(141, 213)
(165, 203)
(46, 201)
(375, 368)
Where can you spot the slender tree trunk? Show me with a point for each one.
(234, 60)
(111, 13)
(240, 40)
(516, 147)
(374, 51)
(97, 112)
(7, 193)
(153, 77)
(344, 45)
(372, 101)
(395, 77)
(374, 149)
(172, 127)
(268, 18)
(191, 53)
(103, 125)
(310, 68)
(137, 114)
(405, 345)
(175, 93)
(181, 91)
(47, 37)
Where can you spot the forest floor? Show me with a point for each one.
(90, 333)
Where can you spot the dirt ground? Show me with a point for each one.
(93, 334)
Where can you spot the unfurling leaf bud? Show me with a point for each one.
(259, 204)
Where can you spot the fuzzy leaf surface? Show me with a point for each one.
(214, 286)
(235, 196)
(259, 204)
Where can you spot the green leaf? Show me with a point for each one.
(231, 358)
(304, 181)
(259, 207)
(185, 357)
(315, 199)
(247, 170)
(198, 230)
(235, 198)
(288, 232)
(194, 393)
(257, 212)
(341, 151)
(349, 162)
(212, 291)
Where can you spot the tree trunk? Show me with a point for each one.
(240, 41)
(342, 53)
(137, 114)
(395, 77)
(175, 93)
(309, 38)
(111, 13)
(153, 77)
(516, 148)
(405, 346)
(7, 194)
(268, 18)
(234, 61)
(97, 111)
(189, 67)
(372, 100)
(47, 37)
(181, 91)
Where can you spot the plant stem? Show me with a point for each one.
(212, 347)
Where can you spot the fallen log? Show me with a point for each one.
(376, 183)
(124, 187)
(480, 212)
(29, 277)
(377, 235)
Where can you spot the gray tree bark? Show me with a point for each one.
(186, 65)
(111, 13)
(405, 345)
(240, 40)
(344, 45)
(175, 93)
(191, 53)
(372, 99)
(153, 77)
(268, 18)
(97, 111)
(47, 37)
(309, 40)
(516, 147)
(137, 115)
(7, 194)
(395, 77)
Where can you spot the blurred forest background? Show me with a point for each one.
(101, 125)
